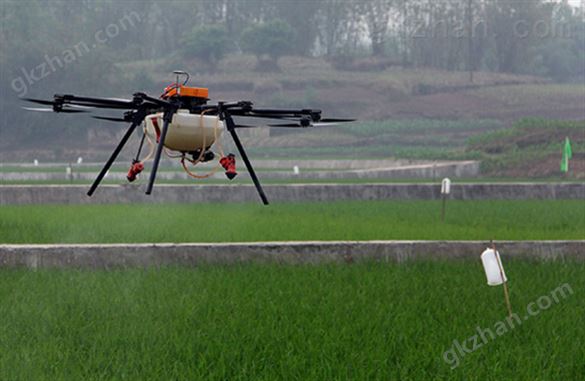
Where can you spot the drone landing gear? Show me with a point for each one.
(137, 118)
(231, 127)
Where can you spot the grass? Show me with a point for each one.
(428, 139)
(527, 143)
(271, 322)
(417, 151)
(347, 220)
(534, 94)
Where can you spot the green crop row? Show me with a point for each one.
(347, 220)
(366, 321)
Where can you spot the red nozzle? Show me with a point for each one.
(135, 169)
(229, 164)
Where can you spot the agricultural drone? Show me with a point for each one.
(182, 124)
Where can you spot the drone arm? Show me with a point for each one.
(96, 102)
(138, 118)
(231, 127)
(314, 115)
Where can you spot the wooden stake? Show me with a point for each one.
(506, 294)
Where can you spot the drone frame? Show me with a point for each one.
(142, 105)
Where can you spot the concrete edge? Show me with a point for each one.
(110, 256)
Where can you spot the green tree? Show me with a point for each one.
(208, 42)
(268, 41)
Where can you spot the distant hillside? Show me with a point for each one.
(391, 93)
(532, 148)
(390, 96)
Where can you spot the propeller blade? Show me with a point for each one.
(118, 99)
(285, 125)
(86, 102)
(324, 124)
(68, 110)
(99, 105)
(111, 119)
(100, 101)
(65, 110)
(336, 120)
(39, 109)
(297, 125)
(39, 101)
(80, 106)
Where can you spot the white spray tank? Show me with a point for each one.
(492, 264)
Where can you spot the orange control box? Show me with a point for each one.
(185, 91)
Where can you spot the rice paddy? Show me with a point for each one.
(269, 322)
(367, 320)
(247, 222)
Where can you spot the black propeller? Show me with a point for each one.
(88, 102)
(40, 101)
(111, 119)
(286, 125)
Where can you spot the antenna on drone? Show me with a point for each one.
(178, 73)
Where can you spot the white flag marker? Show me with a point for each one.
(494, 272)
(491, 260)
(446, 186)
(445, 191)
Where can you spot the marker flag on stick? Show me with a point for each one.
(567, 155)
(494, 271)
(492, 265)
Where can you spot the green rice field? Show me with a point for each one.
(347, 220)
(361, 321)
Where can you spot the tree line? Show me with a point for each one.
(536, 36)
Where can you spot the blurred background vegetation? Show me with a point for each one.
(463, 62)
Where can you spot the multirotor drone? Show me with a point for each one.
(183, 124)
